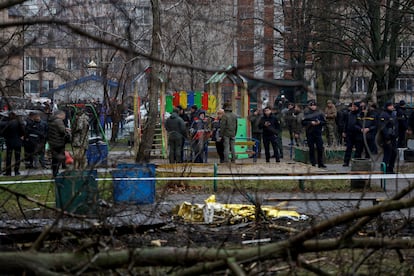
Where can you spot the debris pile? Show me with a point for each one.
(212, 212)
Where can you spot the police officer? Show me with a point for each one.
(353, 134)
(313, 121)
(402, 119)
(270, 125)
(388, 127)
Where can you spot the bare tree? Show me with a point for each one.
(99, 249)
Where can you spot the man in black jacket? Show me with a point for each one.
(313, 121)
(388, 127)
(353, 134)
(270, 125)
(13, 133)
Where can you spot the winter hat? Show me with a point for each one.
(227, 106)
(402, 103)
(387, 104)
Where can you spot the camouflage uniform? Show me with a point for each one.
(330, 115)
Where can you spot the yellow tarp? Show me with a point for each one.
(212, 211)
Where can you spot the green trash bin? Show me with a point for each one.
(77, 192)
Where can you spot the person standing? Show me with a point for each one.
(330, 114)
(176, 130)
(56, 139)
(341, 119)
(402, 119)
(13, 133)
(269, 124)
(289, 118)
(39, 154)
(313, 121)
(278, 115)
(297, 124)
(228, 129)
(186, 119)
(216, 134)
(199, 131)
(388, 128)
(30, 140)
(257, 132)
(410, 124)
(194, 112)
(80, 139)
(353, 134)
(369, 125)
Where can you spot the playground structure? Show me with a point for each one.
(223, 86)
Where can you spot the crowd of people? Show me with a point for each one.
(359, 127)
(36, 135)
(196, 130)
(49, 128)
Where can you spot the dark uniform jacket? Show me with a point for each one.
(175, 127)
(273, 125)
(313, 115)
(56, 132)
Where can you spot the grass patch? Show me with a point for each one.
(314, 186)
(45, 192)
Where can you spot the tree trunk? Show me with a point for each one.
(144, 150)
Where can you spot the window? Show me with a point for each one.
(404, 84)
(31, 86)
(31, 64)
(406, 49)
(142, 15)
(359, 85)
(49, 64)
(47, 85)
(72, 64)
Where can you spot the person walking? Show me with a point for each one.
(313, 121)
(56, 139)
(80, 139)
(176, 130)
(270, 125)
(13, 133)
(228, 129)
(257, 132)
(388, 135)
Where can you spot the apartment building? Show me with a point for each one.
(256, 36)
(51, 54)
